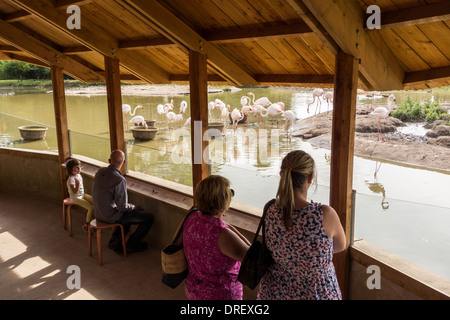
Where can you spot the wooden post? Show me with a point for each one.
(199, 115)
(342, 150)
(114, 97)
(62, 130)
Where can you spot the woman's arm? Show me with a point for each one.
(333, 228)
(233, 244)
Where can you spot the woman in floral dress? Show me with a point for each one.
(302, 237)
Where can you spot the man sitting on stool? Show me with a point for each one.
(110, 198)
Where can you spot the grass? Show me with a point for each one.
(413, 110)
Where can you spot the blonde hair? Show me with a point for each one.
(213, 195)
(294, 172)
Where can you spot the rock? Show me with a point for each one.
(369, 123)
(438, 131)
(441, 141)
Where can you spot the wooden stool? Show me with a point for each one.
(99, 225)
(66, 213)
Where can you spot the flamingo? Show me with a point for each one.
(264, 101)
(171, 117)
(126, 109)
(183, 107)
(178, 118)
(380, 113)
(236, 117)
(317, 93)
(290, 119)
(211, 107)
(273, 110)
(188, 121)
(328, 96)
(391, 99)
(258, 110)
(139, 120)
(224, 113)
(219, 104)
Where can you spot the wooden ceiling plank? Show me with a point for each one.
(176, 30)
(343, 21)
(46, 53)
(432, 12)
(97, 39)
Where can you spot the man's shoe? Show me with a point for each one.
(116, 246)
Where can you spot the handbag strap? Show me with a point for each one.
(262, 221)
(182, 225)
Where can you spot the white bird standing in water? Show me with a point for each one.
(139, 120)
(236, 116)
(317, 93)
(126, 109)
(183, 107)
(380, 113)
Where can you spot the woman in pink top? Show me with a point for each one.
(214, 250)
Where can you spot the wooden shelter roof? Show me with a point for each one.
(247, 42)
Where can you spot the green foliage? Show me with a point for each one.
(411, 110)
(21, 70)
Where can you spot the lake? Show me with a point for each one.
(391, 198)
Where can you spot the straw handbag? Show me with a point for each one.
(173, 261)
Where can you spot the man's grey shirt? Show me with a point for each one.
(109, 195)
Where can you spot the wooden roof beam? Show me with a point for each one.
(95, 38)
(23, 14)
(419, 77)
(169, 25)
(46, 53)
(429, 13)
(343, 22)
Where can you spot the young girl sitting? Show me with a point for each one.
(76, 190)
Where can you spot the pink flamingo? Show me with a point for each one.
(317, 93)
(236, 116)
(126, 109)
(139, 120)
(259, 110)
(274, 110)
(328, 96)
(264, 101)
(380, 113)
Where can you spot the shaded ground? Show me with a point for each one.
(431, 150)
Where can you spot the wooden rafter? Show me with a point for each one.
(95, 38)
(46, 53)
(179, 32)
(343, 22)
(417, 77)
(429, 13)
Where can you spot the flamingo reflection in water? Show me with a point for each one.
(377, 187)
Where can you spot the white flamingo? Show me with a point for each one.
(264, 101)
(183, 107)
(317, 93)
(380, 113)
(178, 118)
(290, 120)
(211, 107)
(224, 113)
(126, 109)
(219, 104)
(171, 117)
(274, 110)
(259, 110)
(236, 116)
(328, 97)
(139, 120)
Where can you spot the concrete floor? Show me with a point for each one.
(36, 251)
